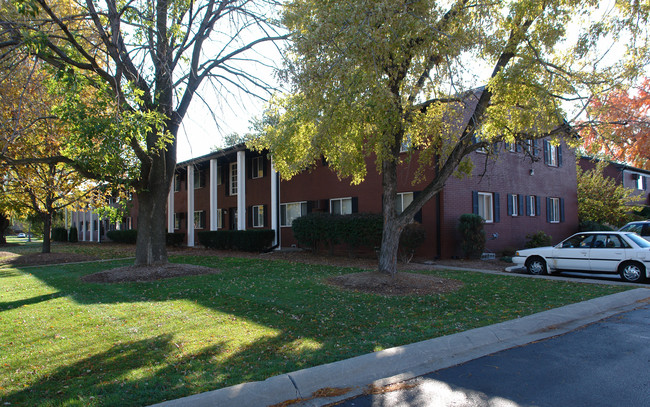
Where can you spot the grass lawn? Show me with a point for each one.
(66, 342)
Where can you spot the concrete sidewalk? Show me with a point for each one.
(321, 385)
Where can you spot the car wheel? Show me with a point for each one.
(536, 266)
(632, 272)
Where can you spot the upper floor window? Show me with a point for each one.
(233, 178)
(341, 206)
(639, 181)
(291, 211)
(552, 154)
(257, 166)
(177, 182)
(219, 174)
(198, 179)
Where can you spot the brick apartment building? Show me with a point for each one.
(524, 189)
(630, 177)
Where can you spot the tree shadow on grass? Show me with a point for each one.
(5, 306)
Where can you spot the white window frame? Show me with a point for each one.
(219, 169)
(341, 201)
(512, 147)
(486, 206)
(197, 225)
(514, 202)
(552, 155)
(554, 207)
(401, 196)
(284, 220)
(219, 218)
(639, 182)
(257, 216)
(257, 167)
(532, 204)
(233, 178)
(177, 221)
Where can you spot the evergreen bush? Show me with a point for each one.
(73, 236)
(412, 237)
(256, 240)
(472, 235)
(318, 230)
(128, 236)
(59, 234)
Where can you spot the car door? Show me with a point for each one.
(606, 253)
(573, 253)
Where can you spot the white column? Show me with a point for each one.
(170, 210)
(92, 226)
(213, 194)
(275, 198)
(241, 190)
(84, 227)
(190, 205)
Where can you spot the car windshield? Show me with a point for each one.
(632, 227)
(641, 242)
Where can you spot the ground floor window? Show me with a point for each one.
(554, 210)
(258, 216)
(486, 206)
(341, 206)
(199, 220)
(291, 211)
(404, 199)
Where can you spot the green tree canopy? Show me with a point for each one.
(446, 78)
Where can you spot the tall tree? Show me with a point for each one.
(620, 127)
(601, 199)
(145, 60)
(368, 77)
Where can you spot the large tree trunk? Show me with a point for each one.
(47, 226)
(4, 224)
(150, 246)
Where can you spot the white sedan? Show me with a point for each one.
(600, 252)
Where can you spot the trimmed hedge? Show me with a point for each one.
(175, 239)
(256, 240)
(123, 236)
(318, 230)
(73, 236)
(59, 235)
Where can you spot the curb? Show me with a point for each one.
(351, 377)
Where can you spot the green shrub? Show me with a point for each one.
(73, 236)
(175, 239)
(589, 226)
(472, 235)
(538, 239)
(412, 237)
(256, 240)
(318, 230)
(128, 236)
(508, 251)
(59, 235)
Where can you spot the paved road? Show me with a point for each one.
(603, 364)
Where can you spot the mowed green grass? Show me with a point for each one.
(67, 342)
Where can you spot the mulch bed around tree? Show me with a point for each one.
(147, 273)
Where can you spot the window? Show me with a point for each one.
(198, 182)
(199, 219)
(404, 199)
(177, 182)
(219, 218)
(341, 206)
(219, 174)
(552, 154)
(233, 178)
(177, 221)
(554, 210)
(513, 205)
(406, 144)
(291, 211)
(257, 167)
(485, 206)
(512, 147)
(531, 206)
(258, 216)
(639, 181)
